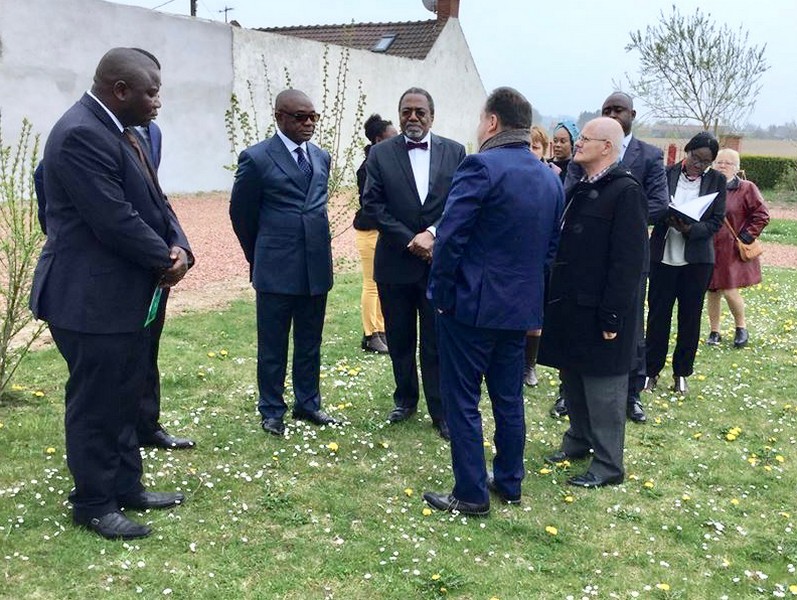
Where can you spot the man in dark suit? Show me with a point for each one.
(407, 181)
(149, 429)
(499, 229)
(278, 210)
(589, 331)
(646, 163)
(112, 241)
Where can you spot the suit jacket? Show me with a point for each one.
(109, 229)
(391, 199)
(700, 241)
(281, 219)
(646, 163)
(499, 228)
(594, 285)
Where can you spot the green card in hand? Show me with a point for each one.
(153, 306)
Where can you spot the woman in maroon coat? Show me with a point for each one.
(747, 212)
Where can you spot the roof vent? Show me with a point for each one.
(384, 43)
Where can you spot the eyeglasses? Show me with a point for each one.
(584, 139)
(699, 162)
(301, 117)
(726, 163)
(419, 112)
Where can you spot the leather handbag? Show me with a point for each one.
(747, 252)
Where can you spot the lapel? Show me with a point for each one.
(438, 149)
(632, 156)
(277, 150)
(314, 156)
(707, 182)
(403, 159)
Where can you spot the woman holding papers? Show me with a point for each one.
(682, 259)
(748, 215)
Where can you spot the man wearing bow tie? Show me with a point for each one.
(408, 178)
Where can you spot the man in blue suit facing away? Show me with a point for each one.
(112, 240)
(499, 228)
(278, 210)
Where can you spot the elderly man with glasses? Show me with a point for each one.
(279, 213)
(589, 329)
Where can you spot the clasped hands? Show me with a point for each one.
(421, 245)
(177, 271)
(679, 224)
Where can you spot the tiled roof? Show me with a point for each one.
(413, 39)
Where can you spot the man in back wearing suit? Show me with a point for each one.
(646, 163)
(112, 240)
(499, 229)
(278, 210)
(407, 181)
(149, 429)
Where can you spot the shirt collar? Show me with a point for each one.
(426, 138)
(599, 175)
(116, 121)
(290, 144)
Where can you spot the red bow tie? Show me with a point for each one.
(417, 145)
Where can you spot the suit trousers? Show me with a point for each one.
(103, 395)
(403, 305)
(468, 355)
(276, 313)
(597, 420)
(636, 377)
(150, 411)
(687, 284)
(370, 307)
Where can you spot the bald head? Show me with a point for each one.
(620, 107)
(127, 81)
(295, 115)
(599, 144)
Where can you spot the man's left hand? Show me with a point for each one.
(421, 245)
(179, 268)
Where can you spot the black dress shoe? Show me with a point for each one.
(160, 438)
(115, 526)
(635, 412)
(317, 417)
(273, 426)
(559, 456)
(156, 500)
(374, 343)
(588, 480)
(714, 338)
(447, 502)
(741, 338)
(442, 428)
(400, 413)
(505, 498)
(559, 409)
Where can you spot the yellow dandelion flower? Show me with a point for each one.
(436, 576)
(697, 435)
(785, 515)
(793, 588)
(730, 437)
(726, 563)
(569, 499)
(494, 598)
(384, 445)
(18, 388)
(701, 377)
(200, 374)
(50, 450)
(211, 355)
(426, 512)
(353, 372)
(735, 501)
(487, 444)
(408, 491)
(736, 430)
(332, 446)
(767, 468)
(443, 590)
(341, 406)
(686, 497)
(779, 458)
(551, 530)
(752, 460)
(663, 587)
(648, 484)
(223, 352)
(38, 393)
(1, 425)
(544, 471)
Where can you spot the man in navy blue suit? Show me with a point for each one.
(112, 241)
(646, 163)
(149, 430)
(499, 229)
(278, 210)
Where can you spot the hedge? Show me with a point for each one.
(766, 171)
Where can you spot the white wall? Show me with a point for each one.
(49, 50)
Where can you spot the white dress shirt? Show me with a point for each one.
(675, 242)
(420, 161)
(624, 147)
(116, 121)
(291, 146)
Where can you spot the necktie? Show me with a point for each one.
(417, 145)
(133, 140)
(304, 165)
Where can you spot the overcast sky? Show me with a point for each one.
(564, 56)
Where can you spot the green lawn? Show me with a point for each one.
(780, 231)
(337, 513)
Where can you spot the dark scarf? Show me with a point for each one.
(508, 137)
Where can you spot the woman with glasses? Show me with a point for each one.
(746, 212)
(681, 261)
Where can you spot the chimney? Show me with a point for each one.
(446, 9)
